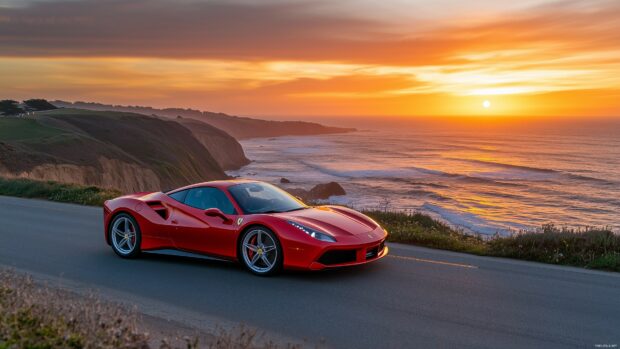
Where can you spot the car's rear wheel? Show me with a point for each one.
(260, 251)
(125, 236)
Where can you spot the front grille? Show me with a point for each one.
(372, 252)
(338, 257)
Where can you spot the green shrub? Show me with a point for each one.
(593, 248)
(420, 229)
(55, 191)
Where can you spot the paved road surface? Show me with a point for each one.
(414, 298)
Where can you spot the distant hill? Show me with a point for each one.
(128, 151)
(238, 127)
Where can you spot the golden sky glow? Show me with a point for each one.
(543, 58)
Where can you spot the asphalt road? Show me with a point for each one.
(415, 297)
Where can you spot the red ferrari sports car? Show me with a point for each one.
(252, 222)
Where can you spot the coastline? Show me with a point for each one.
(437, 177)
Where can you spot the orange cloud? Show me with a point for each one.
(293, 59)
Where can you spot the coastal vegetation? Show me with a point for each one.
(420, 229)
(24, 130)
(54, 191)
(36, 315)
(595, 248)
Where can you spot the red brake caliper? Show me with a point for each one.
(253, 242)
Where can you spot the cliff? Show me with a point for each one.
(238, 127)
(128, 151)
(223, 147)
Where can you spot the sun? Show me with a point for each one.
(486, 104)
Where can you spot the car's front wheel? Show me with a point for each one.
(260, 251)
(125, 236)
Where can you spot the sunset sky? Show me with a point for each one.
(304, 58)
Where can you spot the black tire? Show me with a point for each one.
(122, 249)
(268, 237)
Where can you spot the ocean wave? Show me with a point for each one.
(428, 184)
(487, 181)
(371, 173)
(472, 222)
(509, 166)
(537, 170)
(428, 194)
(405, 174)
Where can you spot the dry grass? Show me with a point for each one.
(36, 316)
(33, 316)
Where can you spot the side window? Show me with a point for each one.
(179, 195)
(207, 197)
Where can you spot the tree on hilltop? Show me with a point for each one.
(39, 104)
(10, 107)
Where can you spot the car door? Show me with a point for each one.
(195, 231)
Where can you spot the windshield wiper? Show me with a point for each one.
(278, 211)
(270, 211)
(297, 209)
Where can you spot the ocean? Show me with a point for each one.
(482, 178)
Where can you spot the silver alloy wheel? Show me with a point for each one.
(124, 235)
(259, 250)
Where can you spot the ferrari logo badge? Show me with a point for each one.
(239, 220)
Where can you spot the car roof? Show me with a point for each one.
(222, 184)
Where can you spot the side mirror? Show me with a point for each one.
(216, 212)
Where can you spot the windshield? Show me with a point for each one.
(264, 198)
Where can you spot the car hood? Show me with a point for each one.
(337, 222)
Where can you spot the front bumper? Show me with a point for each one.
(348, 251)
(337, 258)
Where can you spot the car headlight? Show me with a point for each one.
(313, 232)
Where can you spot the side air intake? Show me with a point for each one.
(159, 208)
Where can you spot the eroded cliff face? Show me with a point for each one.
(111, 173)
(124, 151)
(133, 177)
(224, 148)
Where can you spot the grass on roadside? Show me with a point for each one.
(54, 191)
(588, 248)
(33, 316)
(37, 316)
(420, 229)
